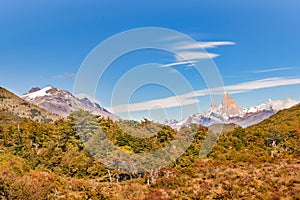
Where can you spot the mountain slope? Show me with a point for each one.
(63, 103)
(286, 121)
(275, 137)
(14, 107)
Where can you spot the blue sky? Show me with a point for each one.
(45, 42)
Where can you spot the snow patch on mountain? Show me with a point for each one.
(38, 93)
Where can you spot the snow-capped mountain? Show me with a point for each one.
(62, 102)
(230, 112)
(272, 105)
(252, 118)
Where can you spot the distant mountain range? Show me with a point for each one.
(230, 112)
(51, 103)
(63, 103)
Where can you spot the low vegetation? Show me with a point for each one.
(51, 161)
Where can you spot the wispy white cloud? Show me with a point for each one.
(179, 63)
(190, 98)
(248, 86)
(203, 45)
(263, 83)
(188, 58)
(65, 75)
(193, 51)
(273, 70)
(169, 102)
(194, 55)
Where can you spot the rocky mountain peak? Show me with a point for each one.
(34, 89)
(230, 107)
(227, 99)
(214, 105)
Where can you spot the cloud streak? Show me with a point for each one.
(263, 83)
(169, 102)
(192, 52)
(191, 97)
(272, 70)
(178, 63)
(65, 75)
(203, 45)
(194, 56)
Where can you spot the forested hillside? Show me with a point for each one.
(50, 161)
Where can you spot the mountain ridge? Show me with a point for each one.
(63, 103)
